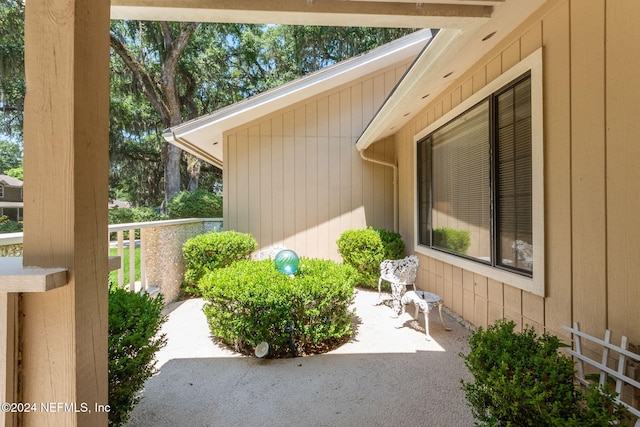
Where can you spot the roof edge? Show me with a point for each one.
(301, 83)
(187, 146)
(10, 181)
(427, 65)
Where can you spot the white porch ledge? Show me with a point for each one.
(14, 277)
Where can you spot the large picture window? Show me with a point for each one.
(475, 182)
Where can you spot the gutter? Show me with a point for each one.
(393, 166)
(184, 144)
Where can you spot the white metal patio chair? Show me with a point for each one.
(400, 273)
(269, 252)
(524, 253)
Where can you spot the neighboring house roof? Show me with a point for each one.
(10, 181)
(203, 136)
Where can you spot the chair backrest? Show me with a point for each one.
(400, 270)
(269, 253)
(524, 252)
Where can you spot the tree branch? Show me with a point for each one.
(143, 78)
(166, 35)
(169, 70)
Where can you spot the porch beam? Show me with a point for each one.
(305, 12)
(63, 332)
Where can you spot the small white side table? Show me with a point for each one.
(423, 301)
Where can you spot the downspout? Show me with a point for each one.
(395, 185)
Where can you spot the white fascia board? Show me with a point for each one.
(203, 136)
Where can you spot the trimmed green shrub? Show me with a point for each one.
(8, 226)
(250, 302)
(520, 379)
(209, 251)
(134, 322)
(364, 249)
(449, 238)
(195, 204)
(392, 243)
(598, 408)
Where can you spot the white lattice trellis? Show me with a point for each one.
(624, 357)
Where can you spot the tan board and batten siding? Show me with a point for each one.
(591, 72)
(295, 177)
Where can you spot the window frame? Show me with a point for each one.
(1, 191)
(534, 283)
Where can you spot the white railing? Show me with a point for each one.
(132, 228)
(138, 268)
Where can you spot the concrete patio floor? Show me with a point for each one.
(388, 374)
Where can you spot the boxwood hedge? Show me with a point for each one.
(135, 320)
(364, 249)
(250, 302)
(209, 251)
(521, 379)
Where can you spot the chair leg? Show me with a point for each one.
(426, 320)
(379, 290)
(396, 294)
(426, 325)
(401, 316)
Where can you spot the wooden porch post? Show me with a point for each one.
(64, 331)
(8, 374)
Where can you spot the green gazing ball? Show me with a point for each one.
(286, 261)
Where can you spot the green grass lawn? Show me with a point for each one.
(113, 276)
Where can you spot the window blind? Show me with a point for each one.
(513, 187)
(460, 173)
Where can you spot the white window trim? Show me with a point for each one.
(534, 284)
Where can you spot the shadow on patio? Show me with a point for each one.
(387, 375)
